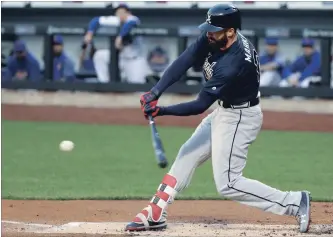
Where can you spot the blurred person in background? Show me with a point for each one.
(158, 60)
(22, 65)
(63, 66)
(305, 70)
(271, 64)
(3, 66)
(86, 63)
(131, 58)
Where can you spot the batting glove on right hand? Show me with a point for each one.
(150, 109)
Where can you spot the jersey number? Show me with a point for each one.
(256, 63)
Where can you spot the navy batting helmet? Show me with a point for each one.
(220, 17)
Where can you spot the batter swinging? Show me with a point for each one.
(232, 72)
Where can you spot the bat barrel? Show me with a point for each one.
(157, 144)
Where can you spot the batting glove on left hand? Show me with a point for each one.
(149, 96)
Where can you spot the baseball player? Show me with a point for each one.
(131, 59)
(232, 72)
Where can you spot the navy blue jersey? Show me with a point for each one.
(233, 75)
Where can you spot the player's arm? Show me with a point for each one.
(34, 70)
(178, 68)
(198, 106)
(312, 68)
(128, 26)
(11, 69)
(207, 96)
(97, 22)
(123, 37)
(293, 68)
(277, 63)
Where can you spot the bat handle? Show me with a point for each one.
(151, 119)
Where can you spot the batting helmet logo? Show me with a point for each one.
(209, 20)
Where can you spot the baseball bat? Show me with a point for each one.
(157, 144)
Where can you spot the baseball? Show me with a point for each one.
(66, 145)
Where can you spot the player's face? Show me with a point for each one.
(121, 14)
(57, 49)
(219, 39)
(307, 51)
(271, 49)
(20, 55)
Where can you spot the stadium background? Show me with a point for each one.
(113, 157)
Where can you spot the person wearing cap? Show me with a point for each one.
(63, 66)
(232, 73)
(22, 65)
(271, 64)
(132, 62)
(305, 69)
(158, 59)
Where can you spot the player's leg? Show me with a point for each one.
(101, 61)
(270, 78)
(312, 79)
(136, 70)
(195, 151)
(232, 133)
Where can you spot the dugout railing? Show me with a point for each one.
(182, 34)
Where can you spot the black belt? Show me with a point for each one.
(244, 105)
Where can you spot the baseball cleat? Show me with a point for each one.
(148, 226)
(144, 221)
(304, 212)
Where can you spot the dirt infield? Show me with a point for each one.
(197, 218)
(187, 218)
(297, 121)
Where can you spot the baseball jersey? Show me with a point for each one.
(133, 45)
(232, 75)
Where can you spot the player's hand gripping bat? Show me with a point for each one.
(157, 144)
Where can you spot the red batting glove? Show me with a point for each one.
(150, 109)
(148, 97)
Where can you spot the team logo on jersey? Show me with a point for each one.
(208, 68)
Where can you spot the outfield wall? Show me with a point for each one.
(112, 108)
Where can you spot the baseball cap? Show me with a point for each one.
(19, 45)
(306, 42)
(272, 41)
(57, 39)
(122, 5)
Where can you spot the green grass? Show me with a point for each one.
(117, 162)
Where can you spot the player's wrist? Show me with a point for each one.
(161, 111)
(155, 92)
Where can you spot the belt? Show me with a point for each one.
(244, 105)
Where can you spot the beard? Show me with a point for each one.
(57, 54)
(218, 44)
(20, 57)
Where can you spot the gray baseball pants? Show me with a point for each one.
(225, 135)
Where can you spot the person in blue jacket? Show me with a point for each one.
(304, 69)
(271, 64)
(22, 65)
(63, 66)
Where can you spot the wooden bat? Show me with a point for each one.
(157, 144)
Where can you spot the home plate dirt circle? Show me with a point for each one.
(174, 229)
(35, 218)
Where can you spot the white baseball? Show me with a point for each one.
(66, 145)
